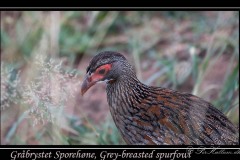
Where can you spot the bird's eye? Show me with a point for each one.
(101, 71)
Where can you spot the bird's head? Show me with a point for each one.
(103, 67)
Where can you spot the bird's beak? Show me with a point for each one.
(87, 83)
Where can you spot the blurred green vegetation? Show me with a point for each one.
(190, 51)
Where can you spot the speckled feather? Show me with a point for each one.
(159, 116)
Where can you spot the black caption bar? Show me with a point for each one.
(119, 153)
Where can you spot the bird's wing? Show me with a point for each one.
(179, 118)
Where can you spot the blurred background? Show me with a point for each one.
(44, 56)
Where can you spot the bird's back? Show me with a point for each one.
(152, 115)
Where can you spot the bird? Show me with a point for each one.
(149, 115)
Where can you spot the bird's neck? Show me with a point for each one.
(125, 81)
(125, 93)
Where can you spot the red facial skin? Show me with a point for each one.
(93, 78)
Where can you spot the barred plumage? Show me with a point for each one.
(155, 115)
